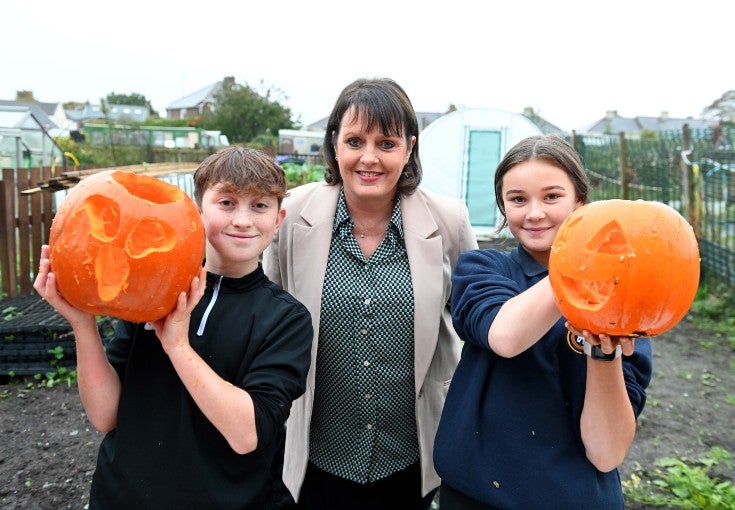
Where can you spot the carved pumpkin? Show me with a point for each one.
(625, 268)
(125, 245)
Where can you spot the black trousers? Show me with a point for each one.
(451, 499)
(399, 491)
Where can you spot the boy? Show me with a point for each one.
(194, 404)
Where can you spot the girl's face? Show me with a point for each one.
(239, 228)
(537, 196)
(370, 162)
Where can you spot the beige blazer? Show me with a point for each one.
(437, 229)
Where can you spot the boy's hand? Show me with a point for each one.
(45, 286)
(606, 342)
(173, 329)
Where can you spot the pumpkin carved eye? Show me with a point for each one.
(125, 245)
(624, 267)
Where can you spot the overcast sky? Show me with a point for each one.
(569, 60)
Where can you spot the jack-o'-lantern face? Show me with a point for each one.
(125, 245)
(625, 268)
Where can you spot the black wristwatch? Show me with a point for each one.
(595, 352)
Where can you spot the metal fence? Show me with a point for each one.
(693, 171)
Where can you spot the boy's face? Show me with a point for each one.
(239, 227)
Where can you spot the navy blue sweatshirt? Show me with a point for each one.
(509, 434)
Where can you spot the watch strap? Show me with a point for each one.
(595, 352)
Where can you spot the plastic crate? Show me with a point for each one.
(29, 328)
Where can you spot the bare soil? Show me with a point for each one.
(48, 448)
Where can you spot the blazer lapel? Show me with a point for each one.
(312, 234)
(425, 256)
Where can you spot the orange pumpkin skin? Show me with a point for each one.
(125, 245)
(624, 268)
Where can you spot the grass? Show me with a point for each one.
(687, 484)
(694, 484)
(714, 310)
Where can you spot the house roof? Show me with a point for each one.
(544, 125)
(612, 123)
(17, 111)
(203, 95)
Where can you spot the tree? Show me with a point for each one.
(133, 99)
(25, 95)
(723, 108)
(242, 113)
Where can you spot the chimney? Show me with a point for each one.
(664, 115)
(611, 114)
(229, 81)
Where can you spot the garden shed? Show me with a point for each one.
(459, 153)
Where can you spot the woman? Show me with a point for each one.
(538, 415)
(370, 254)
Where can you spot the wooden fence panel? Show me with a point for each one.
(7, 233)
(23, 227)
(25, 222)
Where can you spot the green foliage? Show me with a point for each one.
(266, 142)
(128, 99)
(103, 156)
(10, 313)
(133, 99)
(85, 154)
(243, 113)
(685, 484)
(106, 327)
(161, 122)
(713, 310)
(297, 174)
(60, 374)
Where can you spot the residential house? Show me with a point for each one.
(544, 125)
(114, 113)
(199, 102)
(612, 124)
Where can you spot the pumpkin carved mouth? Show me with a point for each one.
(594, 282)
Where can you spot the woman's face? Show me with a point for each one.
(537, 196)
(370, 163)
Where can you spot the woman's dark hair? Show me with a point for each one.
(549, 148)
(378, 102)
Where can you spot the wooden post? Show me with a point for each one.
(691, 184)
(23, 224)
(624, 171)
(7, 234)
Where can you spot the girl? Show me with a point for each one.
(538, 415)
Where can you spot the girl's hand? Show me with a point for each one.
(606, 342)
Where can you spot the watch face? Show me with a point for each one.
(595, 352)
(598, 354)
